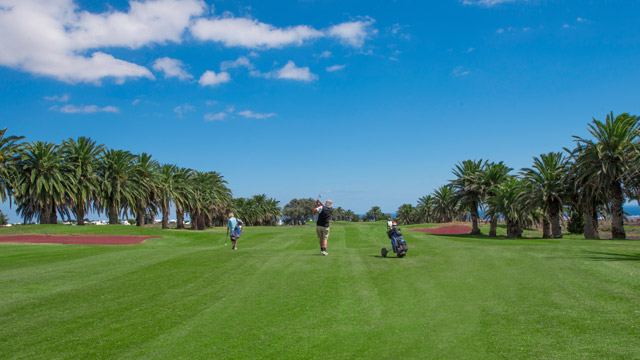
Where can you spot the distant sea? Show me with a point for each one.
(632, 209)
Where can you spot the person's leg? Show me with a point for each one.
(320, 236)
(325, 240)
(234, 243)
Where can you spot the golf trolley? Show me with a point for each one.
(398, 245)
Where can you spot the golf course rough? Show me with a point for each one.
(186, 296)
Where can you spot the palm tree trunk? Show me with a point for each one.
(194, 221)
(554, 215)
(113, 214)
(165, 217)
(590, 222)
(512, 229)
(201, 222)
(49, 214)
(180, 218)
(475, 229)
(44, 213)
(617, 214)
(80, 215)
(493, 226)
(140, 218)
(546, 228)
(53, 219)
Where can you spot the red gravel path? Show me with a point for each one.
(445, 230)
(76, 239)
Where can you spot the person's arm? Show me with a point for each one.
(318, 207)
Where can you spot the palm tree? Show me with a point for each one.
(506, 201)
(81, 160)
(9, 156)
(182, 176)
(611, 159)
(146, 179)
(406, 214)
(219, 197)
(493, 175)
(211, 199)
(424, 209)
(42, 183)
(444, 204)
(375, 213)
(546, 186)
(468, 189)
(273, 211)
(118, 188)
(166, 192)
(587, 195)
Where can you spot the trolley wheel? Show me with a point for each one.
(401, 254)
(384, 252)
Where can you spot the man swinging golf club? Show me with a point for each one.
(322, 228)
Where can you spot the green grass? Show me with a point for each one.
(187, 296)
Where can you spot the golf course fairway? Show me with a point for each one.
(188, 296)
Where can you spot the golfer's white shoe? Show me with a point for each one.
(325, 253)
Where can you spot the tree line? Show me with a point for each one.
(594, 178)
(46, 180)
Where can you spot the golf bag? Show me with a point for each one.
(235, 235)
(398, 245)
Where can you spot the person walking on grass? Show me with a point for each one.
(322, 228)
(231, 230)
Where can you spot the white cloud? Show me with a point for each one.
(215, 116)
(85, 109)
(171, 68)
(460, 71)
(353, 33)
(241, 61)
(231, 108)
(566, 26)
(135, 102)
(502, 30)
(251, 115)
(291, 72)
(582, 20)
(251, 33)
(324, 55)
(487, 3)
(210, 78)
(60, 98)
(335, 68)
(399, 30)
(51, 37)
(182, 109)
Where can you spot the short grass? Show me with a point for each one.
(187, 296)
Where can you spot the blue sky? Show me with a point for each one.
(367, 102)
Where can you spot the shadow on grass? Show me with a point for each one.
(606, 256)
(385, 257)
